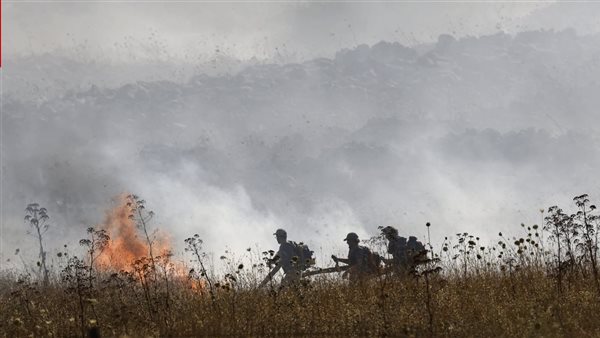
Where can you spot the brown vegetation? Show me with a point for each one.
(544, 283)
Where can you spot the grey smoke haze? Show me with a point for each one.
(112, 44)
(473, 134)
(249, 30)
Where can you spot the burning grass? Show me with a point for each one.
(126, 225)
(520, 286)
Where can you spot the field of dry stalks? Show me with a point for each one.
(543, 283)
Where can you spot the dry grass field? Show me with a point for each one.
(544, 283)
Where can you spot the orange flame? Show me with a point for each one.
(127, 242)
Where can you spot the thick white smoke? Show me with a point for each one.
(473, 134)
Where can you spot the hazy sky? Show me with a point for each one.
(259, 29)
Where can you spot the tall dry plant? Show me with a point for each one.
(37, 218)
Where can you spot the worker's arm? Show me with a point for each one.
(342, 260)
(270, 275)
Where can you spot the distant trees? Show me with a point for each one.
(37, 218)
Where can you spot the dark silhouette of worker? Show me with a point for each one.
(417, 254)
(284, 259)
(405, 254)
(397, 249)
(361, 261)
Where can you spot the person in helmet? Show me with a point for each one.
(396, 248)
(284, 259)
(404, 253)
(361, 261)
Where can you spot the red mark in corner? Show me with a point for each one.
(0, 33)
